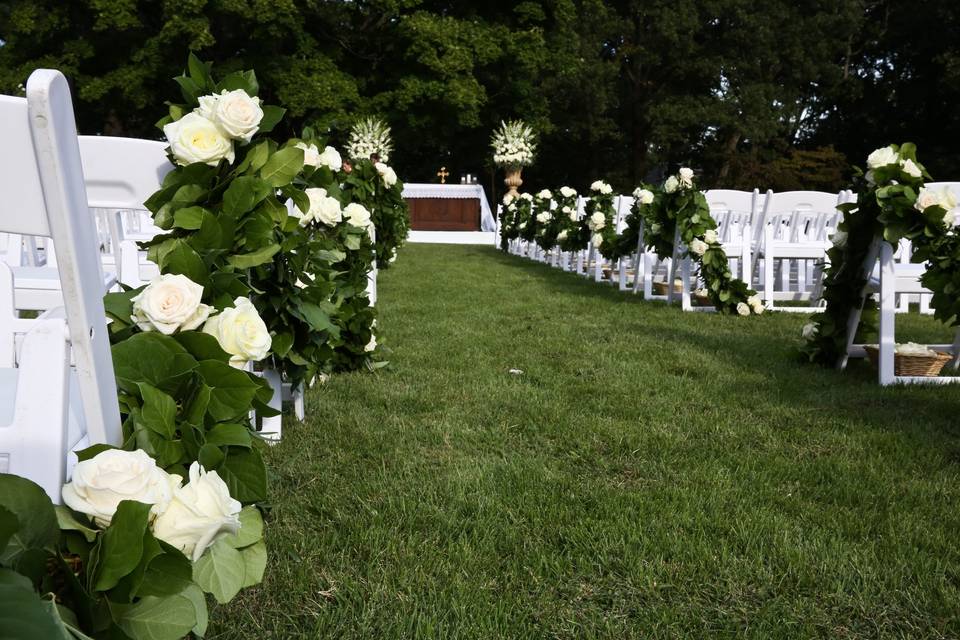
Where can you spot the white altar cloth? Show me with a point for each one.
(455, 191)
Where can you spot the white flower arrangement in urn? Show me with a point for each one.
(514, 146)
(370, 138)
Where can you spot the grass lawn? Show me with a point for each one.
(651, 474)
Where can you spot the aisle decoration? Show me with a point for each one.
(679, 209)
(526, 220)
(547, 220)
(571, 236)
(377, 186)
(892, 204)
(599, 224)
(509, 221)
(629, 239)
(514, 146)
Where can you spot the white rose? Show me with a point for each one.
(522, 226)
(573, 216)
(322, 207)
(567, 192)
(331, 159)
(241, 332)
(100, 484)
(597, 221)
(710, 236)
(756, 305)
(562, 236)
(237, 114)
(914, 349)
(839, 239)
(526, 196)
(169, 303)
(869, 178)
(643, 196)
(927, 198)
(809, 330)
(671, 184)
(372, 345)
(698, 246)
(388, 174)
(200, 513)
(507, 199)
(194, 138)
(545, 194)
(686, 177)
(596, 185)
(655, 228)
(596, 240)
(882, 157)
(743, 309)
(311, 155)
(357, 215)
(911, 169)
(544, 217)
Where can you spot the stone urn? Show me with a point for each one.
(513, 180)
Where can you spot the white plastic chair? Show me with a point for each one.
(43, 186)
(121, 173)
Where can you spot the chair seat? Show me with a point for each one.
(907, 277)
(39, 288)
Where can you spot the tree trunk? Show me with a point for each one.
(729, 149)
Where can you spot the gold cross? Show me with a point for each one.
(442, 174)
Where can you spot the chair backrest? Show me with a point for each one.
(41, 177)
(121, 173)
(732, 210)
(796, 213)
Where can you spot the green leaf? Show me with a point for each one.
(23, 613)
(122, 544)
(272, 115)
(316, 317)
(68, 522)
(229, 434)
(159, 410)
(251, 528)
(153, 618)
(37, 521)
(210, 456)
(231, 390)
(283, 166)
(92, 451)
(180, 257)
(153, 358)
(254, 563)
(196, 596)
(255, 258)
(245, 475)
(189, 218)
(220, 571)
(244, 194)
(167, 574)
(257, 156)
(202, 346)
(9, 524)
(281, 344)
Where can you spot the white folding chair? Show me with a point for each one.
(121, 174)
(890, 279)
(794, 240)
(41, 178)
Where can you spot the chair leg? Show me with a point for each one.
(887, 314)
(272, 428)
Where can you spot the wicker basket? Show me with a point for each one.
(909, 365)
(660, 288)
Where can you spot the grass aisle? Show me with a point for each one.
(652, 474)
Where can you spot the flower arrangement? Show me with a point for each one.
(509, 221)
(599, 222)
(377, 187)
(526, 221)
(629, 239)
(570, 234)
(370, 140)
(892, 203)
(547, 218)
(514, 144)
(679, 209)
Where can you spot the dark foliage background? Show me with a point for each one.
(782, 94)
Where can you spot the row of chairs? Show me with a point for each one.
(777, 243)
(71, 215)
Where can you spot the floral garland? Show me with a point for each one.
(509, 221)
(629, 237)
(679, 205)
(370, 140)
(148, 531)
(547, 220)
(892, 203)
(514, 144)
(570, 234)
(598, 225)
(526, 221)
